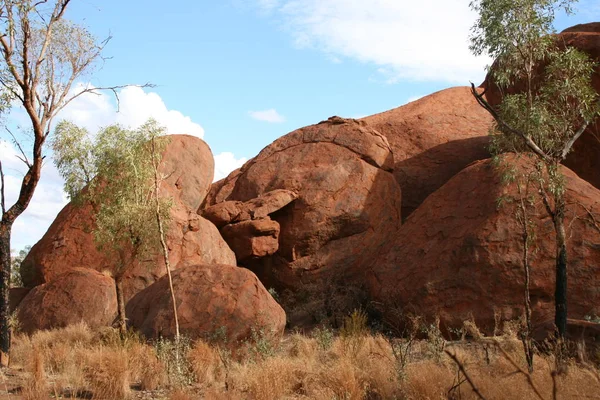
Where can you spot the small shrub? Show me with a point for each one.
(260, 345)
(324, 337)
(173, 356)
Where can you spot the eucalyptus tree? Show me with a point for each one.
(547, 102)
(42, 55)
(117, 173)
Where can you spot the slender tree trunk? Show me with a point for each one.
(121, 320)
(5, 230)
(161, 231)
(560, 294)
(527, 344)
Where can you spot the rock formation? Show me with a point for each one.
(347, 200)
(459, 255)
(69, 243)
(433, 138)
(79, 295)
(211, 298)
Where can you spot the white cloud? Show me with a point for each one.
(225, 163)
(93, 112)
(270, 115)
(136, 106)
(424, 40)
(48, 199)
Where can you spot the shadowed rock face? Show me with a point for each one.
(210, 298)
(459, 255)
(188, 164)
(79, 295)
(584, 160)
(347, 200)
(433, 139)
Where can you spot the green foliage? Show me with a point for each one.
(116, 170)
(324, 337)
(261, 346)
(173, 355)
(15, 272)
(556, 96)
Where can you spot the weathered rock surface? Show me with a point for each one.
(584, 159)
(229, 212)
(348, 200)
(252, 238)
(210, 298)
(432, 139)
(75, 296)
(16, 295)
(188, 164)
(459, 255)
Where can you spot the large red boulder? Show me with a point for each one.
(80, 295)
(69, 243)
(584, 159)
(433, 138)
(210, 298)
(459, 255)
(348, 200)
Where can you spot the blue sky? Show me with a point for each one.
(242, 73)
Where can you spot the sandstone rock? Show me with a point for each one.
(252, 238)
(347, 201)
(75, 296)
(210, 298)
(584, 159)
(229, 212)
(69, 242)
(432, 139)
(460, 255)
(16, 295)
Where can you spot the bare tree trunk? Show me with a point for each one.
(121, 320)
(527, 343)
(161, 232)
(560, 294)
(4, 294)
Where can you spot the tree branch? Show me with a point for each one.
(16, 142)
(530, 143)
(519, 370)
(572, 141)
(461, 367)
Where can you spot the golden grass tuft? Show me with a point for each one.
(107, 373)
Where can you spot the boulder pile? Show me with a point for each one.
(400, 210)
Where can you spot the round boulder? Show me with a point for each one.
(459, 255)
(347, 200)
(211, 299)
(80, 295)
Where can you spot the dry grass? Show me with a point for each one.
(352, 365)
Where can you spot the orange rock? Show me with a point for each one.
(79, 295)
(252, 238)
(460, 255)
(433, 138)
(348, 201)
(69, 242)
(210, 298)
